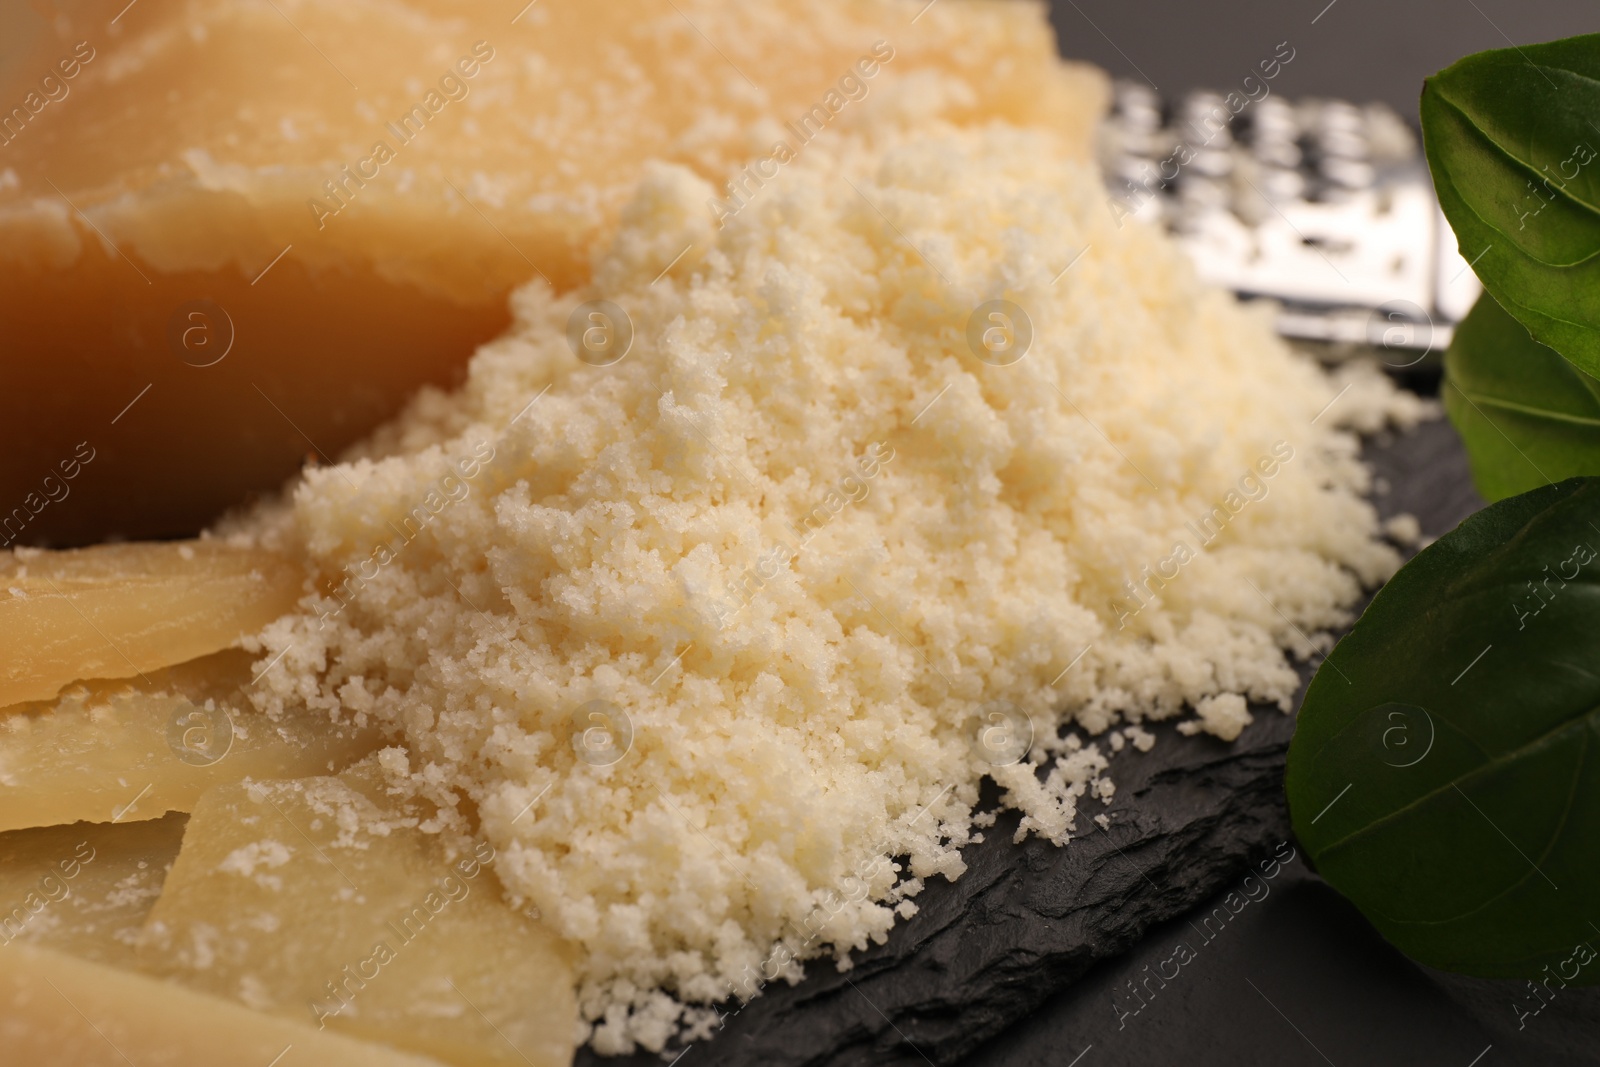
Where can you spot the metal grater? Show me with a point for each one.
(1321, 205)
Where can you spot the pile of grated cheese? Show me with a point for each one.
(704, 638)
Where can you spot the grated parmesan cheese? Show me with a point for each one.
(708, 641)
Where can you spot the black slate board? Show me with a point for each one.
(1188, 820)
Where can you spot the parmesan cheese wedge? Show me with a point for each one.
(250, 230)
(120, 752)
(305, 900)
(61, 1010)
(122, 611)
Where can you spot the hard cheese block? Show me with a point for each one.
(303, 899)
(121, 752)
(239, 234)
(122, 611)
(56, 1009)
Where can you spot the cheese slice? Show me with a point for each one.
(121, 611)
(86, 888)
(57, 1009)
(304, 899)
(242, 232)
(125, 751)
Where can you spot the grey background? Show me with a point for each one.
(1360, 50)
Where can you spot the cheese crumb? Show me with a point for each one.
(1225, 716)
(1404, 530)
(722, 583)
(1142, 739)
(244, 861)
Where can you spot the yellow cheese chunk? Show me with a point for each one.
(55, 1009)
(121, 611)
(305, 900)
(119, 752)
(353, 189)
(85, 889)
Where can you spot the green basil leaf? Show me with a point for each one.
(1535, 103)
(1513, 140)
(1538, 219)
(1560, 306)
(1527, 416)
(1445, 770)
